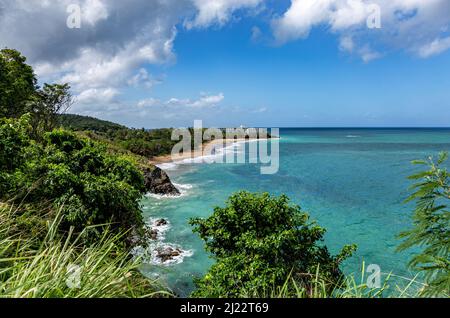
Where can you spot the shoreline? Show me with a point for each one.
(196, 153)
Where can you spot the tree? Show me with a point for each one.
(17, 83)
(46, 104)
(258, 241)
(431, 230)
(19, 94)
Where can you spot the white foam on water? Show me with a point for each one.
(183, 188)
(180, 186)
(149, 254)
(352, 136)
(162, 229)
(162, 196)
(169, 166)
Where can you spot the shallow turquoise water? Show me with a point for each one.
(352, 181)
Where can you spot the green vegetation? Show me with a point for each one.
(140, 142)
(21, 95)
(79, 175)
(431, 229)
(44, 268)
(258, 241)
(348, 287)
(78, 200)
(17, 84)
(83, 123)
(70, 196)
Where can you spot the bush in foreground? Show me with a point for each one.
(259, 240)
(431, 226)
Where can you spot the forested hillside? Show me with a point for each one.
(141, 142)
(80, 123)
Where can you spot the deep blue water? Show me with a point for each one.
(352, 181)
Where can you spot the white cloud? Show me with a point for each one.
(115, 43)
(256, 34)
(218, 11)
(205, 101)
(436, 47)
(298, 20)
(346, 44)
(367, 54)
(115, 39)
(94, 95)
(405, 24)
(148, 102)
(143, 78)
(94, 11)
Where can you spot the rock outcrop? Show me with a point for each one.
(160, 222)
(158, 182)
(167, 253)
(153, 234)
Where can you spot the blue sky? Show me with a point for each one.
(305, 63)
(309, 82)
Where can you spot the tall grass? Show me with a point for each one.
(392, 286)
(43, 268)
(61, 267)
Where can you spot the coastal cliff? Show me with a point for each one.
(158, 182)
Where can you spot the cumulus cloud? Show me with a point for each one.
(205, 101)
(346, 44)
(436, 47)
(38, 28)
(116, 38)
(94, 11)
(94, 95)
(218, 11)
(115, 43)
(405, 24)
(154, 112)
(143, 78)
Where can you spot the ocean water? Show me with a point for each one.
(351, 181)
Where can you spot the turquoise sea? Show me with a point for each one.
(352, 181)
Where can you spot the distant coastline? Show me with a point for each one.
(197, 153)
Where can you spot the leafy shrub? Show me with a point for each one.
(92, 186)
(431, 229)
(13, 138)
(259, 240)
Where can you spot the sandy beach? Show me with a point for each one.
(198, 152)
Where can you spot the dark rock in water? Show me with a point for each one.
(167, 253)
(158, 182)
(154, 234)
(161, 222)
